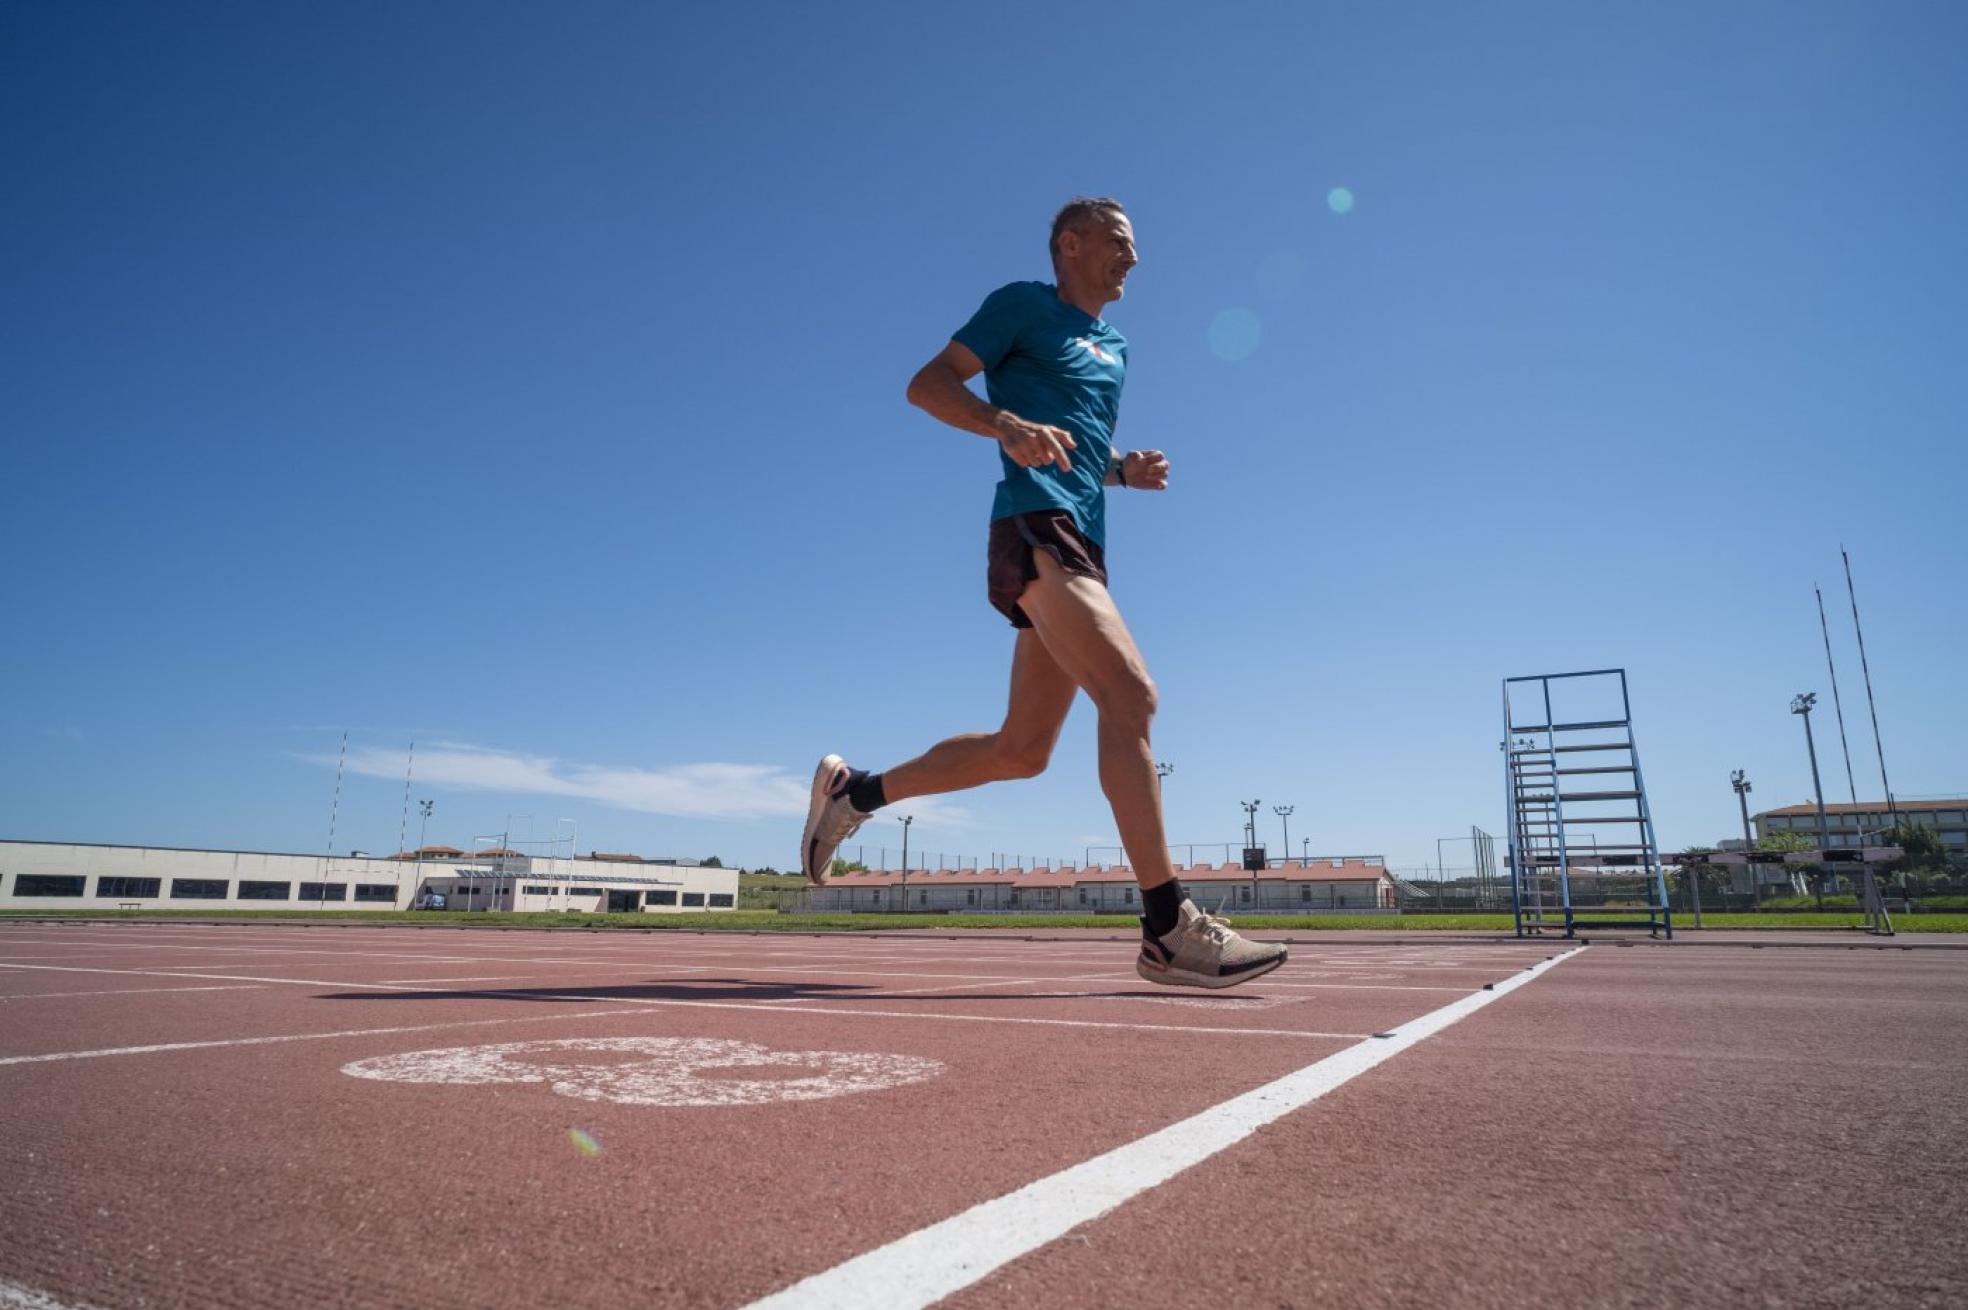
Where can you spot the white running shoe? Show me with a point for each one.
(1202, 951)
(830, 820)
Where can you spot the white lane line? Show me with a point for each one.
(223, 977)
(128, 991)
(1365, 987)
(15, 1297)
(52, 1056)
(481, 977)
(845, 1012)
(768, 1007)
(934, 1262)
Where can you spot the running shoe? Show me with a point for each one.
(1202, 951)
(830, 820)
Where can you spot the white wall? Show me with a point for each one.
(94, 864)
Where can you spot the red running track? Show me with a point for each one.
(254, 1116)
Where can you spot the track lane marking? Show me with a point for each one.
(765, 1007)
(127, 991)
(53, 1056)
(935, 1262)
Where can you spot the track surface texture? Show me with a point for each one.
(254, 1115)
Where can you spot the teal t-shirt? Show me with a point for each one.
(1050, 362)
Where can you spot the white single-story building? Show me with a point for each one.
(1349, 884)
(58, 876)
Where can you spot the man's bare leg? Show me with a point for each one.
(1083, 631)
(842, 798)
(1041, 694)
(1085, 636)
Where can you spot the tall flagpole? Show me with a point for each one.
(1837, 705)
(1891, 809)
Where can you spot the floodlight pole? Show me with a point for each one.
(1801, 705)
(423, 830)
(907, 819)
(1250, 837)
(1740, 781)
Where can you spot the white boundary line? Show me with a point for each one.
(15, 1297)
(542, 994)
(126, 991)
(53, 1056)
(944, 1258)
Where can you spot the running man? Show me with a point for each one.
(1053, 370)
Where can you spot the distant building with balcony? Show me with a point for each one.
(1866, 823)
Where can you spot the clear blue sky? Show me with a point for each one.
(526, 380)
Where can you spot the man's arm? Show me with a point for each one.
(938, 390)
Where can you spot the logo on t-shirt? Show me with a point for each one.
(1092, 348)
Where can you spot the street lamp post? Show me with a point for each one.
(1801, 705)
(907, 819)
(423, 829)
(1250, 837)
(1284, 817)
(1740, 781)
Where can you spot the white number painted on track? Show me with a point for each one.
(669, 1071)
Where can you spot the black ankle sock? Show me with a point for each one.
(1162, 906)
(864, 791)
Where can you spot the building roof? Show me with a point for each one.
(615, 857)
(1872, 807)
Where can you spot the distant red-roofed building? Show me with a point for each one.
(1340, 883)
(1865, 824)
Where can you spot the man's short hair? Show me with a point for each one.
(1075, 214)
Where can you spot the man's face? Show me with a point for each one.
(1099, 254)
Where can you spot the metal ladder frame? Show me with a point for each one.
(1537, 827)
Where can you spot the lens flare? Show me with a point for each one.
(583, 1143)
(1234, 334)
(1339, 200)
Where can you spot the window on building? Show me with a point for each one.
(693, 898)
(199, 889)
(922, 898)
(129, 889)
(1127, 895)
(1243, 893)
(264, 891)
(1305, 891)
(584, 891)
(660, 896)
(323, 891)
(722, 900)
(49, 884)
(375, 891)
(530, 891)
(970, 896)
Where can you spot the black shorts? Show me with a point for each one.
(1012, 568)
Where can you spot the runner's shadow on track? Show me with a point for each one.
(696, 989)
(738, 989)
